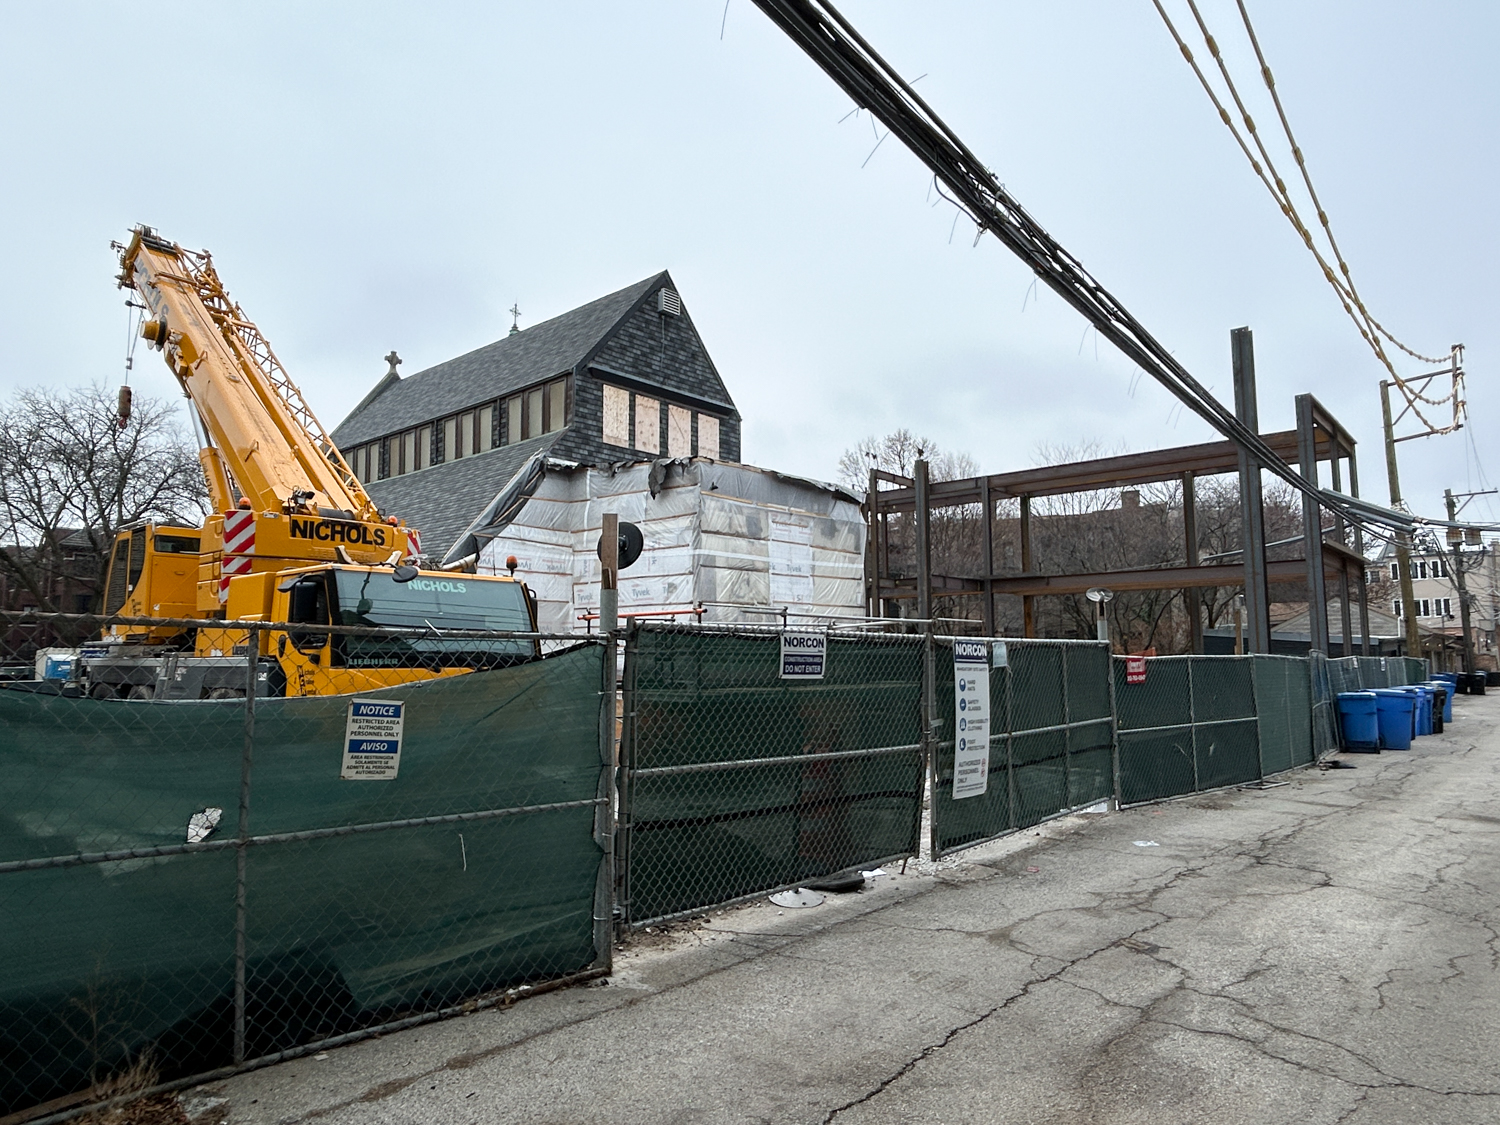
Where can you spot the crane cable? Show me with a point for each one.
(1369, 328)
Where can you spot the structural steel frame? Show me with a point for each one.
(1318, 437)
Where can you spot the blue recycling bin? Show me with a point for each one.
(1422, 711)
(1359, 728)
(1394, 709)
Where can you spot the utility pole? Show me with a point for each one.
(1403, 539)
(1456, 542)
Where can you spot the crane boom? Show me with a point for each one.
(262, 434)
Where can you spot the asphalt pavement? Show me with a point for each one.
(1324, 951)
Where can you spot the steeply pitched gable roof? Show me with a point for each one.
(551, 348)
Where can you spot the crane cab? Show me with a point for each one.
(153, 572)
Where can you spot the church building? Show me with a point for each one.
(625, 378)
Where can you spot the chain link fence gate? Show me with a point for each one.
(737, 781)
(190, 887)
(1051, 737)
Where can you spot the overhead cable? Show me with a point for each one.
(1369, 328)
(858, 69)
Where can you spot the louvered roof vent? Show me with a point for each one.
(668, 302)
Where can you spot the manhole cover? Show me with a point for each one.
(798, 898)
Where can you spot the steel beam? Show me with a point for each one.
(1153, 466)
(1252, 515)
(1312, 529)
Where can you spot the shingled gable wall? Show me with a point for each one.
(650, 354)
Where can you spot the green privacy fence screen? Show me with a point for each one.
(738, 781)
(1051, 736)
(1202, 722)
(480, 866)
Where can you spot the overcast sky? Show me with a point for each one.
(373, 176)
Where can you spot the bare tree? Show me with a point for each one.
(71, 476)
(898, 453)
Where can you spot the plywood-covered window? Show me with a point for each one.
(450, 439)
(513, 419)
(556, 406)
(708, 436)
(486, 426)
(616, 416)
(647, 424)
(534, 413)
(424, 447)
(409, 451)
(679, 431)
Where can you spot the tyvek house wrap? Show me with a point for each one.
(730, 537)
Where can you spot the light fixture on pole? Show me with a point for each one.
(1101, 597)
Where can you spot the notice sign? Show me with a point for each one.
(372, 739)
(803, 655)
(1135, 669)
(971, 718)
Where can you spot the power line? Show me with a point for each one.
(1369, 328)
(858, 69)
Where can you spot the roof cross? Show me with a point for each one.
(515, 316)
(393, 359)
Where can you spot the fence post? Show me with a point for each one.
(1260, 749)
(1114, 726)
(1067, 731)
(624, 791)
(1010, 737)
(242, 834)
(1192, 722)
(929, 741)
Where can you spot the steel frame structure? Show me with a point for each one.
(1318, 437)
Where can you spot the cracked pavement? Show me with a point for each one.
(1320, 952)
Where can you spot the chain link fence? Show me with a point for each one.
(1287, 722)
(212, 870)
(1189, 725)
(739, 779)
(230, 846)
(1050, 735)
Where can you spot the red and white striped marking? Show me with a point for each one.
(413, 543)
(239, 547)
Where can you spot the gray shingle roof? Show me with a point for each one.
(442, 501)
(551, 348)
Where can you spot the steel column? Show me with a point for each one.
(1028, 603)
(1191, 598)
(1252, 515)
(1312, 528)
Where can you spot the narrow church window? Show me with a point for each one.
(513, 420)
(534, 413)
(708, 436)
(424, 447)
(616, 416)
(486, 429)
(557, 405)
(647, 424)
(450, 439)
(679, 432)
(409, 451)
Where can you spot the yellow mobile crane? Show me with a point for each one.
(293, 536)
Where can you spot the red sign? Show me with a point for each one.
(1135, 669)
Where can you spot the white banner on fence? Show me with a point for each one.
(372, 739)
(971, 718)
